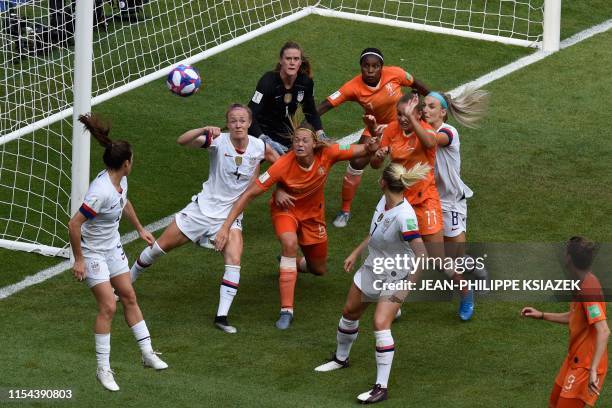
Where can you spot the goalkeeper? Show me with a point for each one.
(277, 96)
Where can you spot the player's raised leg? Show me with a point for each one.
(350, 184)
(171, 238)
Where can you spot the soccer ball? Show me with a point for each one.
(184, 80)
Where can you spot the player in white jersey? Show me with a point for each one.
(234, 162)
(467, 108)
(394, 231)
(98, 255)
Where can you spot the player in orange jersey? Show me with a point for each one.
(409, 141)
(302, 174)
(582, 374)
(377, 90)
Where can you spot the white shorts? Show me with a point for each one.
(196, 225)
(370, 284)
(102, 267)
(454, 223)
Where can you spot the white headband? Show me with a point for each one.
(372, 53)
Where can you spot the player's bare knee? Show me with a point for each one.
(356, 165)
(318, 269)
(290, 245)
(107, 309)
(128, 298)
(232, 260)
(382, 322)
(349, 314)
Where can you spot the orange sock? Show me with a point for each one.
(350, 183)
(286, 281)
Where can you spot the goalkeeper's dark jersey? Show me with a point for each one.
(273, 105)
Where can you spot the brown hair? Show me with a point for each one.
(238, 106)
(305, 68)
(115, 152)
(581, 251)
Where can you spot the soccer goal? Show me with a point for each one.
(60, 57)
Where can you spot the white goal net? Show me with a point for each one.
(137, 41)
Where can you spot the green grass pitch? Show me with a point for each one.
(541, 167)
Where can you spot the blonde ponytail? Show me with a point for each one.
(469, 107)
(399, 178)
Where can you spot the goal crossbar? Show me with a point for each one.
(548, 41)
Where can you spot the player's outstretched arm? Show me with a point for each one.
(253, 191)
(351, 260)
(324, 107)
(270, 154)
(420, 87)
(418, 247)
(562, 318)
(200, 137)
(130, 214)
(74, 234)
(378, 158)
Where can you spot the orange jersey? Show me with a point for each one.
(379, 101)
(306, 185)
(408, 151)
(582, 317)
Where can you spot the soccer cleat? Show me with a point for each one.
(222, 324)
(105, 376)
(342, 219)
(466, 306)
(151, 360)
(333, 364)
(284, 321)
(324, 138)
(376, 394)
(204, 242)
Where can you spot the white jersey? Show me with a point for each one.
(451, 188)
(390, 234)
(229, 174)
(102, 206)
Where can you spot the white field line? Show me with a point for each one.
(479, 82)
(65, 265)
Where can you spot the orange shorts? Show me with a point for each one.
(429, 216)
(309, 231)
(574, 384)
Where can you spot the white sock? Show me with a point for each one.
(385, 349)
(103, 350)
(142, 336)
(228, 288)
(345, 337)
(147, 258)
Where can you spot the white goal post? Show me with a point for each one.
(59, 60)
